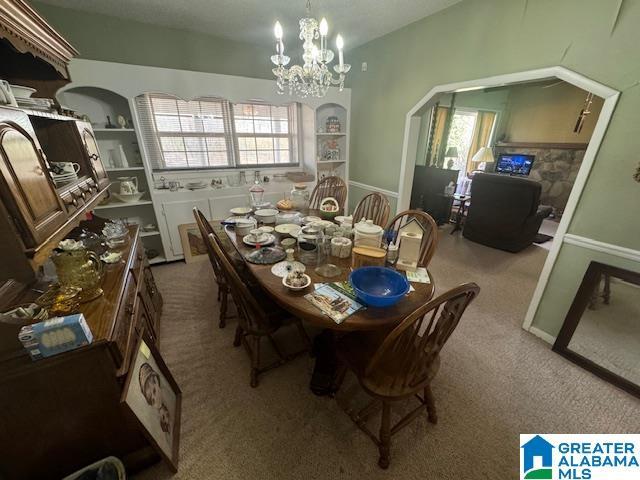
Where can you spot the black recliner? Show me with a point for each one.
(504, 212)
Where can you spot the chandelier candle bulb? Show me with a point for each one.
(324, 29)
(340, 45)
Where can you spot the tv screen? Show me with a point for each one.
(514, 163)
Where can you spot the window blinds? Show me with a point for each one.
(212, 132)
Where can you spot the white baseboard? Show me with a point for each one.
(550, 339)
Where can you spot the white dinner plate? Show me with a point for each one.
(288, 229)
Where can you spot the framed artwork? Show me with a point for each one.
(153, 397)
(193, 245)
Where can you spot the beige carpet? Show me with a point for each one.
(496, 381)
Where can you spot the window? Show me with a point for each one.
(214, 133)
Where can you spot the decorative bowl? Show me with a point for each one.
(304, 277)
(266, 215)
(22, 91)
(378, 286)
(241, 210)
(129, 198)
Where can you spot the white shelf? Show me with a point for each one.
(110, 130)
(123, 169)
(338, 134)
(123, 204)
(158, 259)
(149, 234)
(331, 161)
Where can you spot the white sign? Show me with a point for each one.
(579, 457)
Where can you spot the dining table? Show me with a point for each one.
(366, 319)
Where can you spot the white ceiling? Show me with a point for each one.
(252, 20)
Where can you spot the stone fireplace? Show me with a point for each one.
(555, 167)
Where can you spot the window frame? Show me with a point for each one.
(294, 136)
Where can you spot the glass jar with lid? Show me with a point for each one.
(311, 245)
(300, 197)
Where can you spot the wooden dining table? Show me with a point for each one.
(369, 318)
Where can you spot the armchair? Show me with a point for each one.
(505, 211)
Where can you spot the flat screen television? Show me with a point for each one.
(514, 163)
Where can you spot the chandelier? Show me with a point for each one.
(314, 78)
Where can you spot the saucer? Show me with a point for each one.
(265, 239)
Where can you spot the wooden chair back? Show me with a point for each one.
(430, 238)
(252, 317)
(329, 187)
(205, 229)
(374, 206)
(412, 346)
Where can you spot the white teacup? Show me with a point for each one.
(67, 167)
(255, 234)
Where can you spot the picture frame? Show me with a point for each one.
(193, 245)
(153, 398)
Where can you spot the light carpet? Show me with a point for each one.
(496, 381)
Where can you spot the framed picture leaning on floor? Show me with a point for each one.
(153, 397)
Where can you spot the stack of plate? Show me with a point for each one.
(196, 185)
(64, 178)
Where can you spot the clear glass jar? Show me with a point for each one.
(311, 246)
(300, 197)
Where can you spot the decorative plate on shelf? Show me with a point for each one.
(266, 255)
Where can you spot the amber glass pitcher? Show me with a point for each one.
(79, 268)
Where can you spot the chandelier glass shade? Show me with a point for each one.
(314, 77)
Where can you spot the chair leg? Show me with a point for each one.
(237, 341)
(276, 348)
(255, 362)
(223, 309)
(431, 405)
(385, 436)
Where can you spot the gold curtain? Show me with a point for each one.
(440, 120)
(481, 134)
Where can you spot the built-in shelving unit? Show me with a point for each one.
(121, 156)
(332, 147)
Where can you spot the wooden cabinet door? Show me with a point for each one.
(27, 190)
(93, 153)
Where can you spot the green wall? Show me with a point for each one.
(481, 38)
(110, 39)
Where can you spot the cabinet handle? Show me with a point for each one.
(94, 157)
(39, 170)
(129, 309)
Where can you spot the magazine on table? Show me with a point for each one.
(337, 300)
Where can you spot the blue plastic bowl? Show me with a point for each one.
(378, 286)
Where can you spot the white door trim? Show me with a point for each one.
(610, 97)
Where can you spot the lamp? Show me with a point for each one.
(482, 157)
(451, 153)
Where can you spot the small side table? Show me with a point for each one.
(463, 205)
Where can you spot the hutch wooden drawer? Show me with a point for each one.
(124, 321)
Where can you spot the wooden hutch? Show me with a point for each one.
(61, 413)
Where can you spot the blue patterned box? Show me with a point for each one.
(56, 335)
